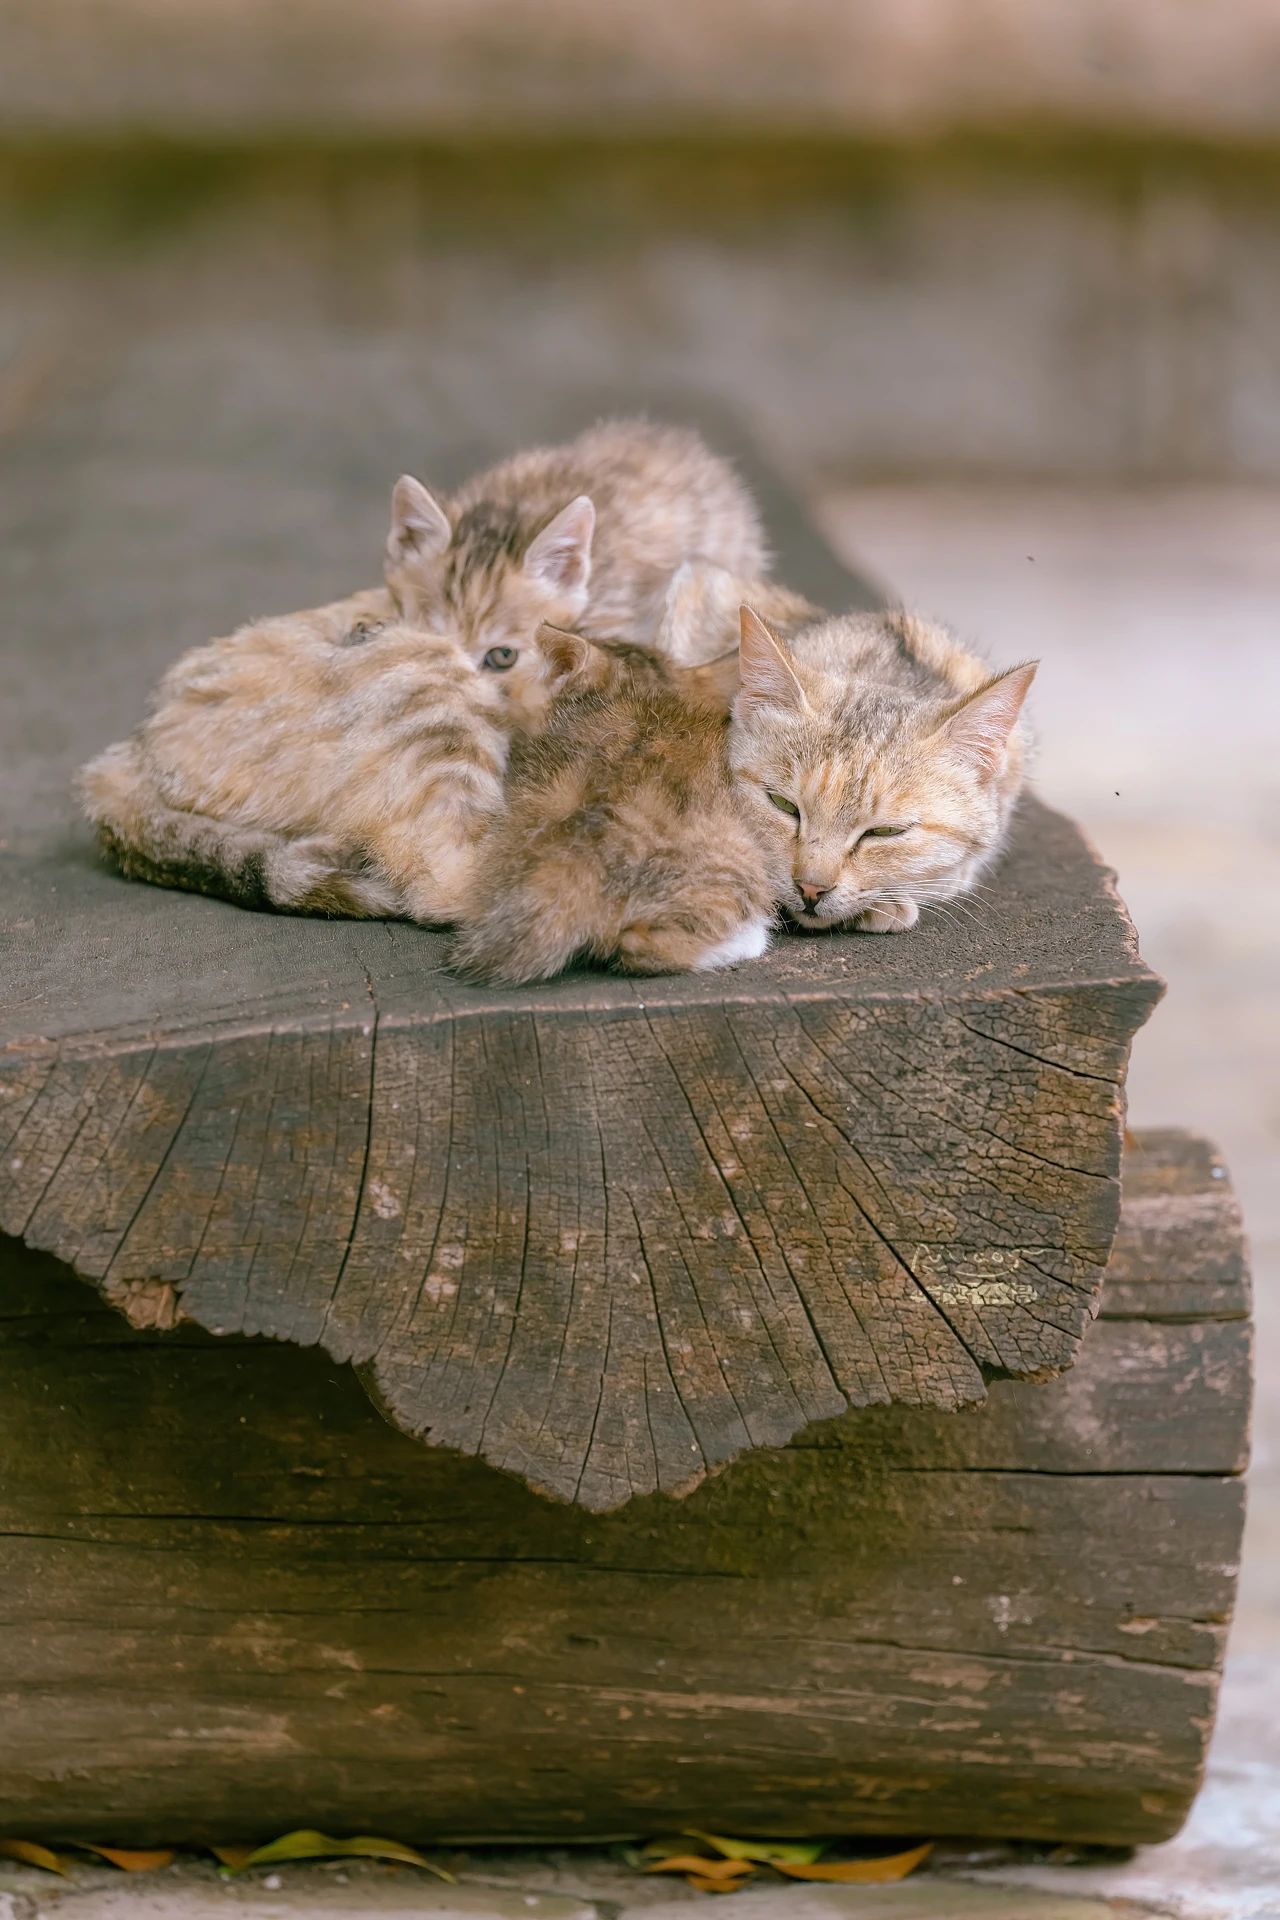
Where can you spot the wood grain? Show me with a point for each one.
(234, 1601)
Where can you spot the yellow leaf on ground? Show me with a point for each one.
(696, 1863)
(132, 1859)
(858, 1873)
(231, 1857)
(768, 1851)
(31, 1854)
(306, 1844)
(660, 1844)
(701, 1884)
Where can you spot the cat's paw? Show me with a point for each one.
(895, 916)
(749, 942)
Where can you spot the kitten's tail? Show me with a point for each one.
(145, 839)
(531, 928)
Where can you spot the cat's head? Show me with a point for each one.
(482, 580)
(893, 797)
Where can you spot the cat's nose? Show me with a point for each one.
(810, 892)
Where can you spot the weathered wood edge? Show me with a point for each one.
(148, 1301)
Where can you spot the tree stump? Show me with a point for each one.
(236, 1601)
(606, 1235)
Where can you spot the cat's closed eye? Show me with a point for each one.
(784, 805)
(499, 659)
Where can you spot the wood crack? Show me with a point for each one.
(884, 1239)
(165, 1159)
(1040, 1059)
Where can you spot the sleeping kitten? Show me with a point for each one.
(895, 756)
(627, 838)
(280, 767)
(585, 536)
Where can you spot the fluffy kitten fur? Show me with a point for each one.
(233, 786)
(322, 763)
(896, 758)
(585, 536)
(628, 838)
(868, 768)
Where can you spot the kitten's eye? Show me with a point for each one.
(784, 805)
(882, 833)
(498, 659)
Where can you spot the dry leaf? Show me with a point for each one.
(31, 1854)
(656, 1849)
(132, 1859)
(701, 1884)
(858, 1873)
(768, 1851)
(306, 1844)
(233, 1858)
(696, 1863)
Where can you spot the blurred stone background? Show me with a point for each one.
(996, 281)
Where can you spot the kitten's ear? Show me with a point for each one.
(695, 625)
(419, 524)
(560, 556)
(571, 658)
(764, 666)
(979, 725)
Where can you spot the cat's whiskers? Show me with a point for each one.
(948, 914)
(953, 907)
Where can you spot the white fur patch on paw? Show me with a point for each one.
(749, 942)
(896, 916)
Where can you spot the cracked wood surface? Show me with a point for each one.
(605, 1235)
(1009, 1621)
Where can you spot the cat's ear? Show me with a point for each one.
(979, 725)
(570, 658)
(701, 601)
(764, 667)
(560, 556)
(419, 524)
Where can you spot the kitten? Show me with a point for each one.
(585, 536)
(166, 813)
(281, 767)
(628, 838)
(895, 756)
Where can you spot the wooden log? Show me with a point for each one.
(606, 1235)
(234, 1601)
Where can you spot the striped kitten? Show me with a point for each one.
(585, 536)
(280, 767)
(627, 837)
(895, 756)
(202, 798)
